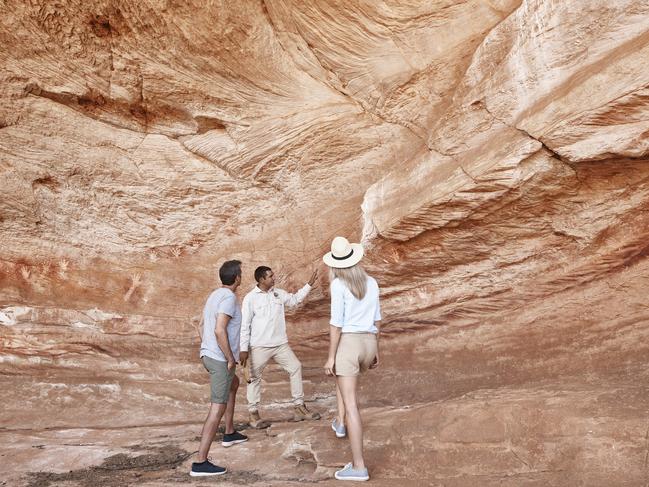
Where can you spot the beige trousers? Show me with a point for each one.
(285, 358)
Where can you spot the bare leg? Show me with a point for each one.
(209, 429)
(347, 387)
(229, 408)
(341, 406)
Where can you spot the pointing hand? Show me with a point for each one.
(314, 277)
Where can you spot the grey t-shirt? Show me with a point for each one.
(223, 300)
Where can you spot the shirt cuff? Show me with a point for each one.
(335, 324)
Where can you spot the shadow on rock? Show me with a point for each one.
(117, 470)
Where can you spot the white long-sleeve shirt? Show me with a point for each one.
(354, 315)
(263, 323)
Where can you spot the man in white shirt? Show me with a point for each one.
(263, 336)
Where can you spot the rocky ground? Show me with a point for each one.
(524, 399)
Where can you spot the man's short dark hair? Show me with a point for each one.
(229, 271)
(260, 272)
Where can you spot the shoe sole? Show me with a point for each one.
(353, 479)
(206, 474)
(228, 444)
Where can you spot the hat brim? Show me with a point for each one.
(355, 258)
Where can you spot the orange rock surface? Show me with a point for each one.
(492, 155)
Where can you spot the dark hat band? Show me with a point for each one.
(345, 257)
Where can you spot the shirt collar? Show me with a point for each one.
(257, 290)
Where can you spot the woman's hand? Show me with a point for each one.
(329, 366)
(375, 362)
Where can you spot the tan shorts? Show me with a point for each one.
(356, 351)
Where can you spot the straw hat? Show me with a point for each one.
(343, 254)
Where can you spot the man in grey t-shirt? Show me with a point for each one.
(219, 353)
(221, 301)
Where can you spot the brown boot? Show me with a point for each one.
(256, 422)
(301, 413)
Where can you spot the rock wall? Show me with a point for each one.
(491, 155)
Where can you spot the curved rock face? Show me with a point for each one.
(491, 155)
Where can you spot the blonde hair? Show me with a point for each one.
(354, 277)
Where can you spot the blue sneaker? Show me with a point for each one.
(339, 428)
(233, 439)
(348, 473)
(205, 469)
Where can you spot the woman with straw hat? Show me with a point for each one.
(353, 346)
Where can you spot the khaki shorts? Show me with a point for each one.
(356, 351)
(220, 379)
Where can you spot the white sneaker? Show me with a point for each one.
(339, 429)
(348, 473)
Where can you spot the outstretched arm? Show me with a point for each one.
(292, 300)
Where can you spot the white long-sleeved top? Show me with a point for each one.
(355, 315)
(263, 323)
